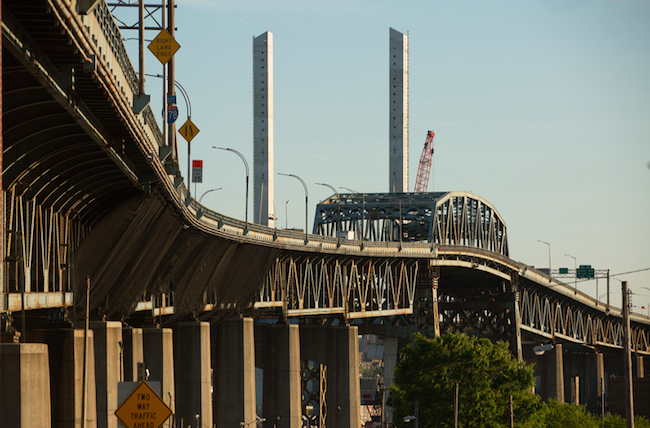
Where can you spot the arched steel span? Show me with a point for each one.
(443, 218)
(88, 186)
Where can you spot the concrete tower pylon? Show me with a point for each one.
(398, 180)
(263, 202)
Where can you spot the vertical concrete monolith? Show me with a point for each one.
(108, 370)
(233, 363)
(553, 377)
(24, 385)
(132, 353)
(639, 370)
(192, 373)
(281, 365)
(66, 352)
(391, 352)
(158, 350)
(398, 168)
(338, 348)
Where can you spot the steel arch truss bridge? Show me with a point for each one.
(304, 286)
(443, 218)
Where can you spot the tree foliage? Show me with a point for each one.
(564, 415)
(486, 373)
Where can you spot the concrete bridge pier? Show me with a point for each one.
(233, 363)
(551, 371)
(158, 351)
(192, 373)
(108, 370)
(584, 379)
(25, 385)
(338, 348)
(639, 369)
(279, 357)
(391, 352)
(132, 353)
(66, 357)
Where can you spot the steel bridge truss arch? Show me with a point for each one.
(352, 288)
(442, 218)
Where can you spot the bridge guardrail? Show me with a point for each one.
(107, 39)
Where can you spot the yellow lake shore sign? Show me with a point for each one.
(143, 409)
(164, 46)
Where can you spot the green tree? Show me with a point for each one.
(486, 373)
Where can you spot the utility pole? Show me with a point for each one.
(456, 406)
(629, 393)
(512, 413)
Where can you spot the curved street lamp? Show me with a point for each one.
(286, 214)
(338, 223)
(208, 191)
(246, 165)
(306, 201)
(549, 255)
(575, 265)
(363, 211)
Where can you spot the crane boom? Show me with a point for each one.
(424, 169)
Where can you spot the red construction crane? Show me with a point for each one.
(424, 169)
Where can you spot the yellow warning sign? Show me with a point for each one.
(188, 130)
(164, 46)
(143, 409)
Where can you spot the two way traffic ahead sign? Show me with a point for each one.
(143, 409)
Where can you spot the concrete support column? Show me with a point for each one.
(391, 352)
(66, 351)
(132, 353)
(158, 352)
(192, 373)
(638, 366)
(574, 390)
(108, 370)
(593, 386)
(25, 385)
(281, 365)
(233, 362)
(338, 348)
(554, 374)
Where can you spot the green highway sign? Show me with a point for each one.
(585, 271)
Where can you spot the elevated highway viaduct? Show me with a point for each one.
(94, 205)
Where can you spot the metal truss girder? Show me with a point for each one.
(322, 286)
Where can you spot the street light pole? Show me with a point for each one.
(363, 211)
(286, 214)
(246, 165)
(208, 191)
(338, 223)
(306, 202)
(575, 265)
(549, 255)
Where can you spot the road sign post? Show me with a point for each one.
(164, 46)
(143, 408)
(188, 130)
(197, 171)
(172, 114)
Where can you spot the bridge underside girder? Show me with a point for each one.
(144, 248)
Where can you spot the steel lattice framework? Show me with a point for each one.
(443, 218)
(353, 288)
(547, 314)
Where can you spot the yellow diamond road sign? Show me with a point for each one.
(143, 409)
(164, 46)
(188, 130)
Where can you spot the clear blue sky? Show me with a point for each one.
(542, 107)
